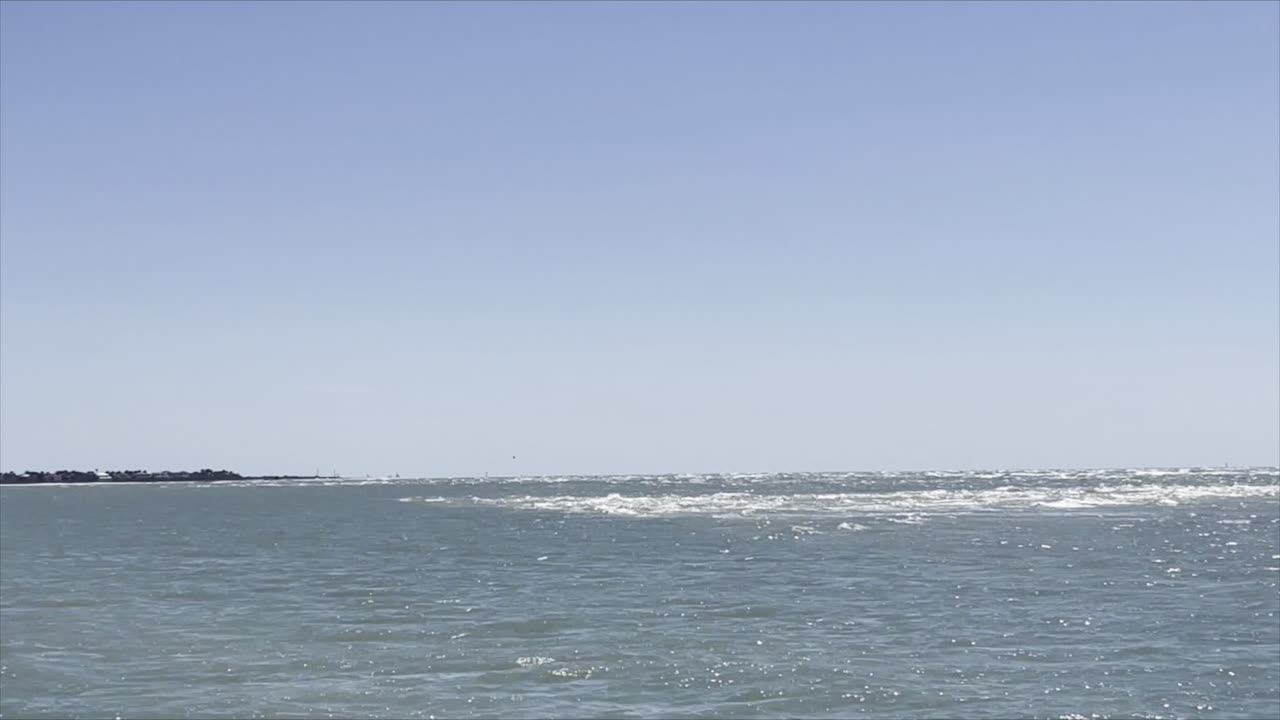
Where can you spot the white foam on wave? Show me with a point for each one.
(1069, 504)
(907, 504)
(534, 661)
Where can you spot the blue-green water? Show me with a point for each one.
(1045, 594)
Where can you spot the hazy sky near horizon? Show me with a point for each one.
(423, 238)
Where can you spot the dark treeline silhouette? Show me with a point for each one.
(95, 476)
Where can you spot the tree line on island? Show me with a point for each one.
(34, 477)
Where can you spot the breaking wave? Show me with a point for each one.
(935, 501)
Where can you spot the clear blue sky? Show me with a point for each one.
(423, 238)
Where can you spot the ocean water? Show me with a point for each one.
(1053, 594)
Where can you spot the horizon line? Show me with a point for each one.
(412, 476)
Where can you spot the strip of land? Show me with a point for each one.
(101, 476)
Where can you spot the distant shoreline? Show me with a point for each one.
(60, 477)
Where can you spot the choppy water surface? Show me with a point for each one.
(1045, 594)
